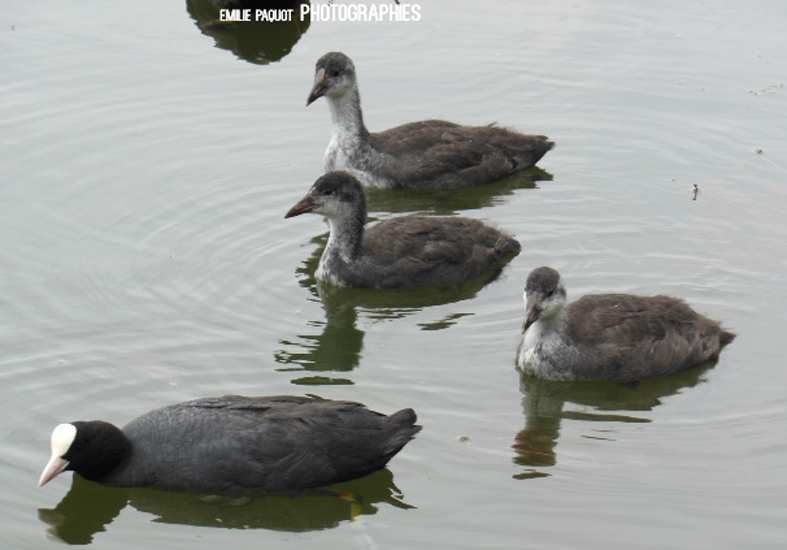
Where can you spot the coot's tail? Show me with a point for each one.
(403, 428)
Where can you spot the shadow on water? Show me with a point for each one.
(338, 347)
(89, 508)
(257, 42)
(449, 201)
(544, 405)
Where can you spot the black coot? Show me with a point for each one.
(234, 445)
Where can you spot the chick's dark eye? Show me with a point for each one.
(328, 192)
(334, 73)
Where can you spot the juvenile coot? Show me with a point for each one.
(426, 154)
(234, 445)
(619, 337)
(403, 252)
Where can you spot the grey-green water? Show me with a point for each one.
(144, 260)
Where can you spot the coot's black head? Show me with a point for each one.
(334, 74)
(334, 195)
(92, 449)
(544, 294)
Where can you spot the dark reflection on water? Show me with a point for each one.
(256, 42)
(544, 404)
(448, 201)
(338, 347)
(89, 508)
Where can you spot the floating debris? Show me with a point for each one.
(463, 438)
(695, 190)
(770, 89)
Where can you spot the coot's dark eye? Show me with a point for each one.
(328, 192)
(334, 73)
(551, 293)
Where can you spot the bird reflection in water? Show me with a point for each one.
(547, 403)
(259, 42)
(89, 508)
(449, 201)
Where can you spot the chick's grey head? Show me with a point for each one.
(334, 75)
(334, 195)
(545, 295)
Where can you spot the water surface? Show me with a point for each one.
(146, 169)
